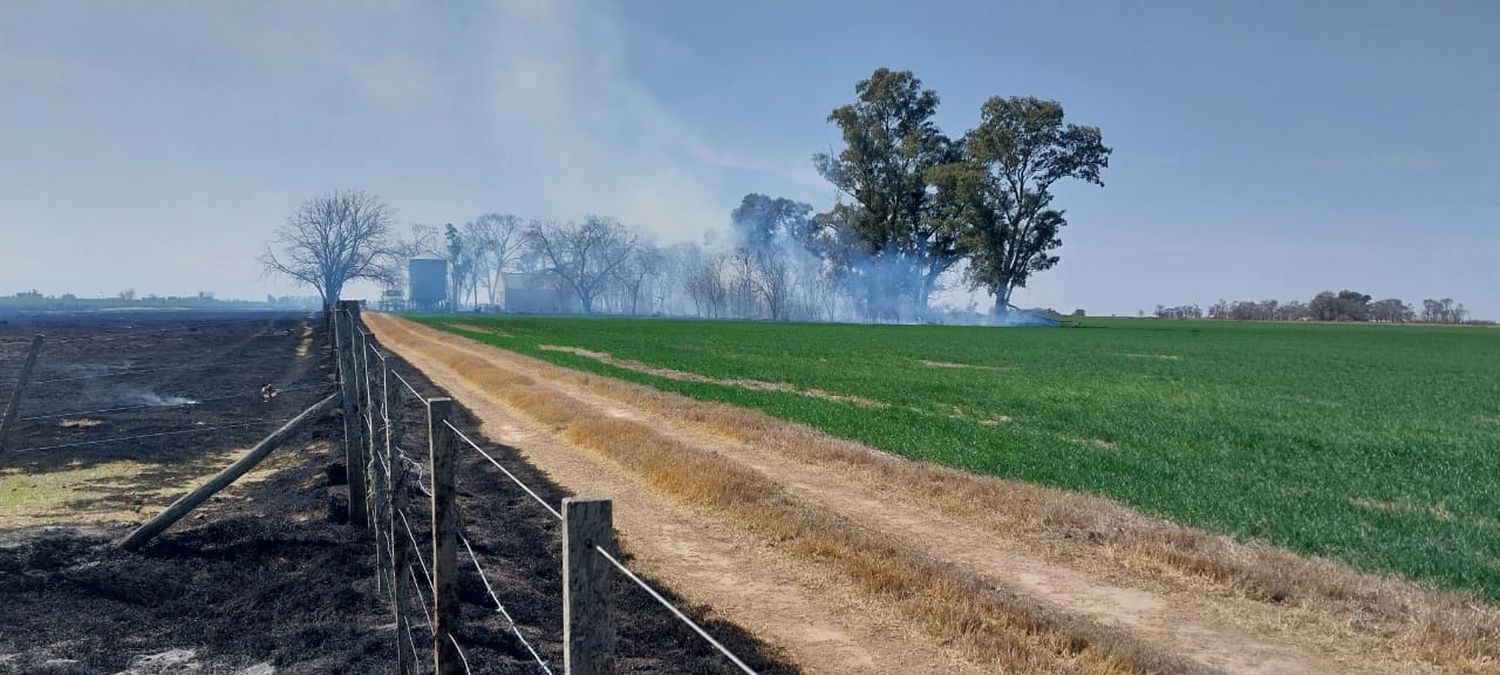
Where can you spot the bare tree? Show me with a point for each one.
(642, 265)
(706, 287)
(585, 256)
(423, 241)
(774, 281)
(1443, 311)
(742, 283)
(496, 241)
(331, 240)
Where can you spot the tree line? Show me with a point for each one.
(1345, 305)
(918, 211)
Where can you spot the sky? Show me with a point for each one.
(1261, 149)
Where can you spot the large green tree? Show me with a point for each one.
(890, 145)
(997, 200)
(761, 222)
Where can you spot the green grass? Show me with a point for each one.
(1375, 445)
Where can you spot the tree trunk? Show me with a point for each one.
(1002, 302)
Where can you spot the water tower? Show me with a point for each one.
(428, 283)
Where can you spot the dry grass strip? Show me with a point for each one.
(684, 376)
(475, 328)
(1452, 631)
(991, 625)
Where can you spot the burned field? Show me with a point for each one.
(267, 576)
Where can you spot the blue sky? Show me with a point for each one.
(1262, 150)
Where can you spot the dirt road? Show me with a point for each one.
(1058, 605)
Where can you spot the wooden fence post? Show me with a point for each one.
(395, 494)
(354, 460)
(445, 523)
(20, 390)
(379, 480)
(588, 606)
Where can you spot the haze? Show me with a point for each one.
(1272, 150)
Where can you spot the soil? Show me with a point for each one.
(265, 577)
(821, 622)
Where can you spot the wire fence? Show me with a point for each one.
(392, 471)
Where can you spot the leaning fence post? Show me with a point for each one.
(588, 606)
(353, 432)
(441, 450)
(20, 390)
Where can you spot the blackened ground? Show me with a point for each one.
(105, 360)
(519, 545)
(265, 576)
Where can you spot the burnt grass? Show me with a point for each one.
(268, 574)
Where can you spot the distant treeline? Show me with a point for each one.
(1345, 305)
(34, 300)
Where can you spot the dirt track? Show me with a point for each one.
(828, 624)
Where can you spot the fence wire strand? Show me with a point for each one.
(410, 388)
(507, 472)
(676, 612)
(461, 656)
(416, 548)
(411, 640)
(425, 614)
(501, 608)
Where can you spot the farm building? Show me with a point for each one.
(536, 293)
(428, 278)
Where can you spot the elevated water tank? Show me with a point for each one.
(428, 282)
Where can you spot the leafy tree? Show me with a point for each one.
(891, 142)
(1346, 305)
(997, 200)
(762, 222)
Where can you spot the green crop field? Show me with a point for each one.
(1375, 445)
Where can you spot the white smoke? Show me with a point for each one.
(151, 398)
(593, 139)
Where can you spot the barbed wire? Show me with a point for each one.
(425, 614)
(421, 475)
(507, 472)
(416, 548)
(501, 608)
